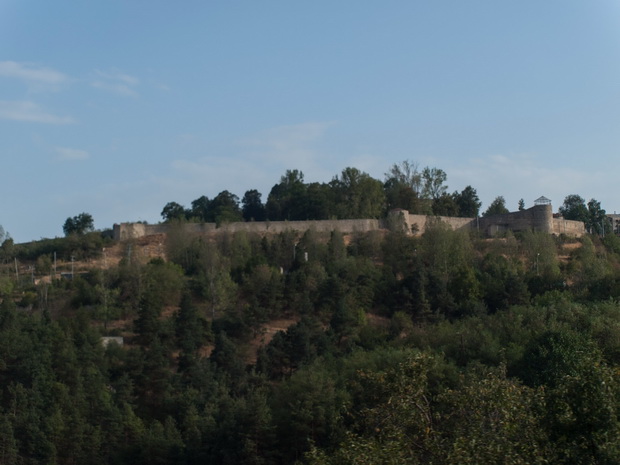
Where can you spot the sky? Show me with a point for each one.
(116, 108)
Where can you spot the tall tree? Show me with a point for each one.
(287, 199)
(358, 194)
(190, 331)
(468, 202)
(434, 179)
(200, 208)
(224, 208)
(445, 205)
(79, 224)
(252, 206)
(406, 174)
(581, 409)
(597, 218)
(574, 208)
(173, 211)
(497, 207)
(320, 201)
(403, 186)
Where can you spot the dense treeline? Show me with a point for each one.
(352, 194)
(444, 348)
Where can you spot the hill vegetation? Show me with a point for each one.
(446, 348)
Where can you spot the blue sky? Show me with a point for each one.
(116, 108)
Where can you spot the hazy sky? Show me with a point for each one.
(117, 107)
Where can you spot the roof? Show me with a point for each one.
(542, 200)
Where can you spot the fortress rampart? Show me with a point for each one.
(538, 218)
(126, 231)
(568, 227)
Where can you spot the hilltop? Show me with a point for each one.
(285, 346)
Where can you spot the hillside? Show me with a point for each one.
(315, 348)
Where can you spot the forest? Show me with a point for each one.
(442, 348)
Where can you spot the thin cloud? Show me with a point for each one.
(69, 154)
(30, 112)
(288, 137)
(292, 146)
(190, 178)
(524, 176)
(116, 82)
(31, 72)
(255, 162)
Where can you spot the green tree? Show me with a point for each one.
(448, 256)
(395, 425)
(320, 201)
(263, 288)
(445, 205)
(8, 445)
(502, 282)
(403, 187)
(581, 392)
(308, 409)
(191, 332)
(497, 207)
(406, 174)
(468, 202)
(287, 199)
(200, 208)
(541, 252)
(79, 224)
(173, 211)
(574, 208)
(358, 195)
(164, 280)
(597, 223)
(492, 419)
(433, 183)
(148, 325)
(214, 279)
(253, 208)
(587, 267)
(7, 249)
(224, 208)
(226, 357)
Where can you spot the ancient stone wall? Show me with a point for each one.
(417, 223)
(126, 231)
(539, 218)
(568, 227)
(345, 226)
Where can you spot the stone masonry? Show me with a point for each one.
(538, 218)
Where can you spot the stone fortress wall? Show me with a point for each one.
(126, 231)
(539, 218)
(568, 227)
